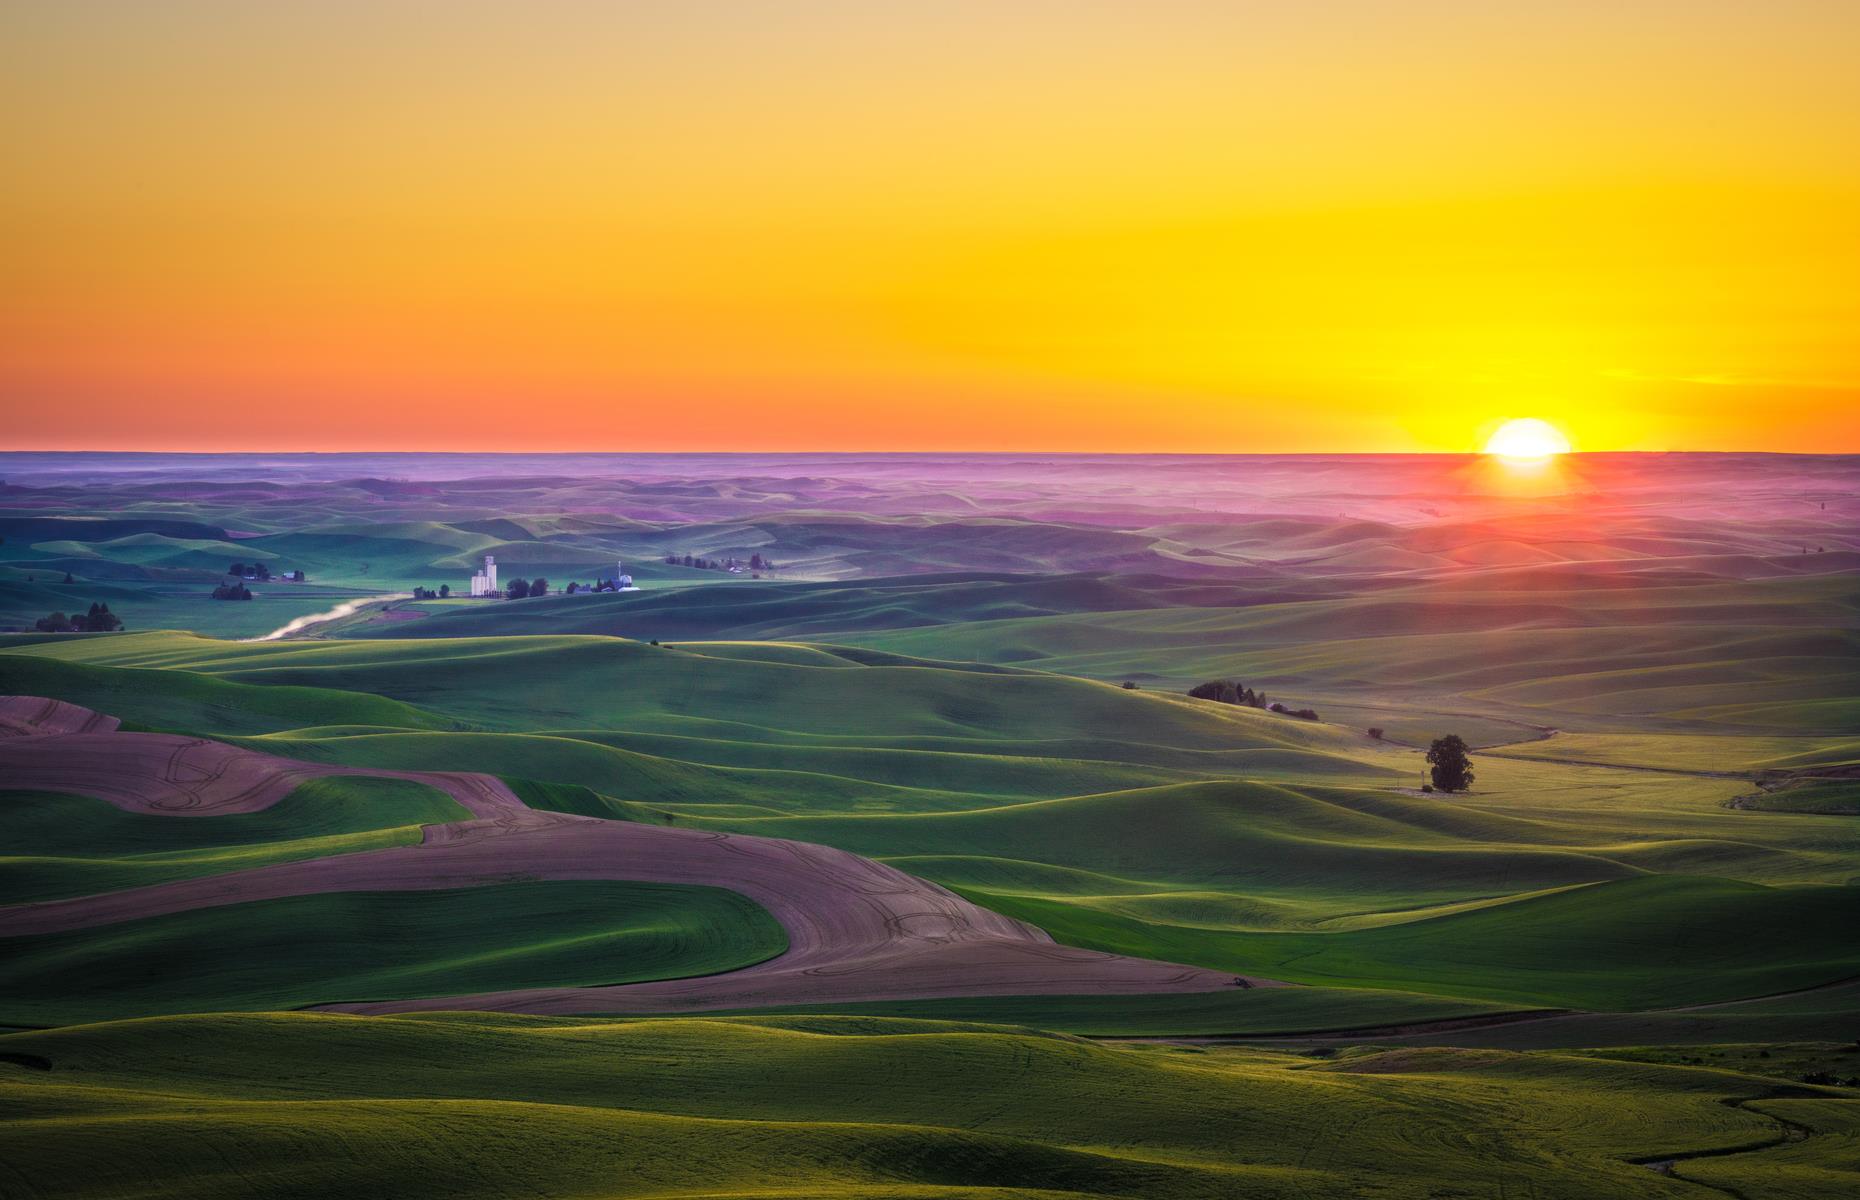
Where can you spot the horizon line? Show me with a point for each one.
(916, 453)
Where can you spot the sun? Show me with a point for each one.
(1527, 439)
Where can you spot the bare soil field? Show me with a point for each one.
(858, 930)
(27, 716)
(181, 776)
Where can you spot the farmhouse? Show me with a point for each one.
(621, 582)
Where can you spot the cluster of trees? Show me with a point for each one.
(756, 563)
(1228, 691)
(519, 588)
(98, 620)
(425, 593)
(1827, 1079)
(258, 572)
(232, 591)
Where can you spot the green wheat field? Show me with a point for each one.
(258, 938)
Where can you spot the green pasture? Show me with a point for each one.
(539, 684)
(302, 1105)
(1603, 971)
(790, 611)
(1697, 753)
(1256, 1012)
(1123, 820)
(185, 701)
(303, 950)
(60, 845)
(1653, 942)
(166, 604)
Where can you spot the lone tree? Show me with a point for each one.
(518, 589)
(445, 590)
(539, 586)
(1450, 769)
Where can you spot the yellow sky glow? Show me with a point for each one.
(1175, 225)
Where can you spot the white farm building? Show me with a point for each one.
(484, 583)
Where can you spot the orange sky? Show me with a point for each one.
(1167, 225)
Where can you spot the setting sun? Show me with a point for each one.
(1528, 439)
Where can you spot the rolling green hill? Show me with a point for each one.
(532, 683)
(781, 610)
(1551, 656)
(185, 701)
(161, 602)
(301, 1105)
(302, 950)
(58, 845)
(1128, 821)
(1636, 943)
(1604, 971)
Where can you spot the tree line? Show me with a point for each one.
(98, 620)
(756, 563)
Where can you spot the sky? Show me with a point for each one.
(1167, 225)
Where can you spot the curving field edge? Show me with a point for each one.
(858, 930)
